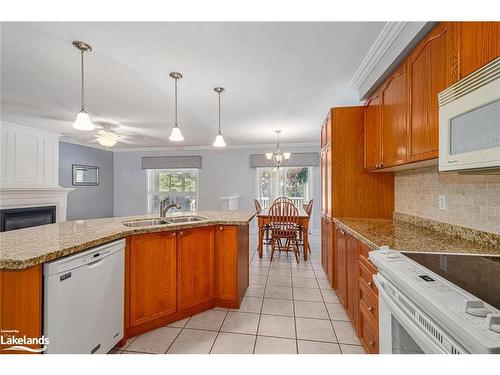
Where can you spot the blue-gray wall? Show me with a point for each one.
(87, 202)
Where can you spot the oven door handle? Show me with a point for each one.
(420, 336)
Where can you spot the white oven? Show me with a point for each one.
(469, 122)
(421, 312)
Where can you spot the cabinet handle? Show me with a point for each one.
(370, 284)
(371, 343)
(221, 228)
(174, 234)
(181, 233)
(370, 308)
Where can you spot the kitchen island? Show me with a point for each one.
(172, 270)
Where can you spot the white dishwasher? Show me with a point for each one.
(84, 300)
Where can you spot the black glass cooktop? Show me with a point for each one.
(479, 275)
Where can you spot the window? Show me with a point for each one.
(176, 185)
(292, 182)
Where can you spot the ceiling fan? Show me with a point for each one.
(106, 136)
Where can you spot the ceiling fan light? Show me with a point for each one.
(83, 122)
(287, 155)
(219, 141)
(107, 140)
(176, 135)
(269, 155)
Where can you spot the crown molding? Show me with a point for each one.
(228, 147)
(384, 41)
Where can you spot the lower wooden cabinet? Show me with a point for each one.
(327, 256)
(152, 276)
(195, 265)
(355, 288)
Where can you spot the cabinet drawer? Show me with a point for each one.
(366, 275)
(368, 330)
(369, 297)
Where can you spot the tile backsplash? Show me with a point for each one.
(472, 201)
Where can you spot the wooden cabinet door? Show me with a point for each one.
(373, 132)
(394, 132)
(341, 268)
(328, 128)
(323, 135)
(328, 176)
(329, 250)
(479, 44)
(226, 262)
(324, 254)
(352, 279)
(431, 67)
(152, 276)
(195, 264)
(323, 183)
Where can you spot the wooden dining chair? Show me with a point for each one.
(282, 199)
(265, 228)
(308, 209)
(283, 222)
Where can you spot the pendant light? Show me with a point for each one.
(279, 158)
(82, 121)
(176, 135)
(219, 140)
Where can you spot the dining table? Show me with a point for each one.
(303, 221)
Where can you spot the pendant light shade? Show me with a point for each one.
(176, 135)
(107, 139)
(219, 139)
(82, 121)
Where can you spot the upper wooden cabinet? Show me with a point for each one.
(152, 276)
(479, 44)
(373, 132)
(431, 67)
(393, 123)
(326, 131)
(195, 266)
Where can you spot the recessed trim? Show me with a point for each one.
(385, 39)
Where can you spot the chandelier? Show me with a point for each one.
(278, 158)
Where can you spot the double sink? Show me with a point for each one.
(162, 221)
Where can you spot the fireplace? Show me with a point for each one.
(17, 218)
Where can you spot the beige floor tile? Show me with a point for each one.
(192, 341)
(239, 322)
(276, 326)
(274, 345)
(128, 342)
(251, 304)
(307, 309)
(281, 292)
(279, 264)
(257, 279)
(329, 295)
(324, 284)
(279, 281)
(315, 329)
(115, 351)
(316, 347)
(302, 282)
(255, 291)
(156, 341)
(179, 323)
(301, 265)
(336, 311)
(258, 270)
(307, 294)
(321, 275)
(304, 273)
(352, 349)
(280, 272)
(277, 307)
(345, 333)
(233, 343)
(210, 320)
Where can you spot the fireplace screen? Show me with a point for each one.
(18, 218)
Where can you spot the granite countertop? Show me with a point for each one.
(406, 237)
(24, 248)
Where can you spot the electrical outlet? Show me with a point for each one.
(442, 202)
(443, 263)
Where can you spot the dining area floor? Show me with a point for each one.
(288, 308)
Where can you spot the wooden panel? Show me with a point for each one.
(352, 279)
(195, 256)
(368, 330)
(370, 299)
(353, 188)
(366, 275)
(21, 304)
(373, 132)
(324, 179)
(152, 277)
(329, 250)
(243, 261)
(226, 263)
(328, 176)
(341, 257)
(479, 44)
(324, 253)
(431, 67)
(328, 128)
(394, 132)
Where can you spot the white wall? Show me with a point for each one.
(224, 172)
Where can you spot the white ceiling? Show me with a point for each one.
(277, 75)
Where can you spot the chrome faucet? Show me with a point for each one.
(164, 208)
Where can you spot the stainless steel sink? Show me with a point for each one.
(145, 222)
(185, 219)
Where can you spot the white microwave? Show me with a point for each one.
(469, 122)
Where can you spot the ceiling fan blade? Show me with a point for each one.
(126, 141)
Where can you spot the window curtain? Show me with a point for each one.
(171, 162)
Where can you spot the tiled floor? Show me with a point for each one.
(288, 308)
